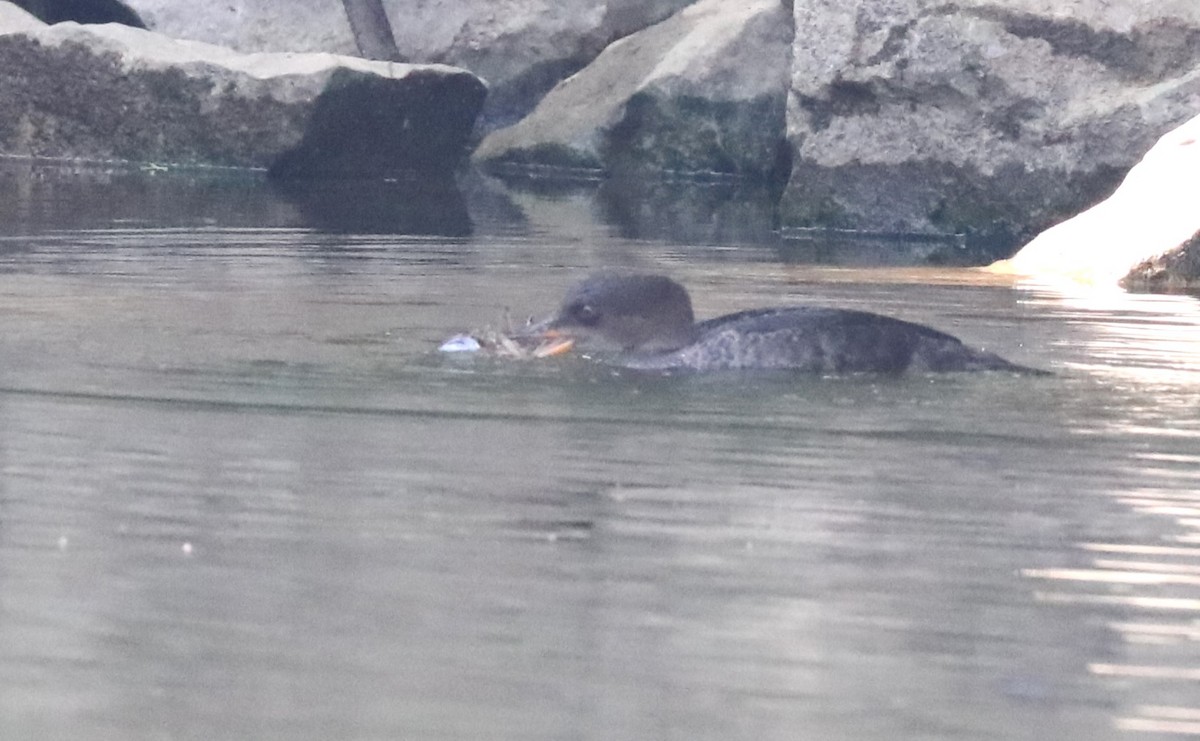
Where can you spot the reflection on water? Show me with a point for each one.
(1149, 588)
(241, 496)
(404, 206)
(1143, 338)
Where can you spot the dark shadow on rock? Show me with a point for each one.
(512, 100)
(691, 134)
(1148, 53)
(372, 30)
(368, 126)
(408, 205)
(82, 11)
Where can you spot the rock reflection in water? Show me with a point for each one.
(417, 206)
(391, 543)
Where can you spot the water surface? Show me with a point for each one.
(242, 497)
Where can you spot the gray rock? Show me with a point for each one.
(1150, 215)
(16, 20)
(1176, 271)
(703, 91)
(115, 92)
(252, 26)
(521, 47)
(991, 118)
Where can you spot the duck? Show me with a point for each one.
(648, 320)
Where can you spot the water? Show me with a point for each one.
(241, 496)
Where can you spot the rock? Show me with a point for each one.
(521, 47)
(703, 91)
(251, 26)
(989, 118)
(17, 20)
(1175, 271)
(1154, 211)
(82, 11)
(111, 91)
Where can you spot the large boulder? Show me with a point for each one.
(1138, 233)
(703, 91)
(115, 92)
(521, 47)
(989, 118)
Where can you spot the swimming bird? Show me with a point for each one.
(649, 320)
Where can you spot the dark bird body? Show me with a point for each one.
(649, 317)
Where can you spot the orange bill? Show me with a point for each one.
(554, 345)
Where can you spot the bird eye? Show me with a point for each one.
(585, 314)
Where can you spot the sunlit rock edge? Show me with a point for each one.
(1146, 235)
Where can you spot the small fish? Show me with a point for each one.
(502, 345)
(461, 343)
